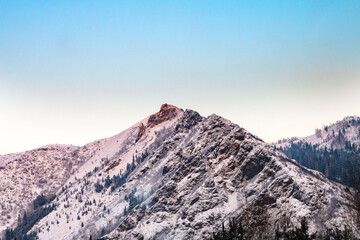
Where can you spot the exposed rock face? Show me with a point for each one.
(166, 113)
(141, 132)
(113, 164)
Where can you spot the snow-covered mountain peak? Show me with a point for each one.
(178, 175)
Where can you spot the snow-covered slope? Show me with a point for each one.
(334, 136)
(111, 156)
(178, 175)
(23, 176)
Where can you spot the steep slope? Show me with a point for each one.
(177, 175)
(215, 170)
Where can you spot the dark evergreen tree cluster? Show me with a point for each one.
(41, 200)
(301, 233)
(237, 231)
(337, 165)
(133, 201)
(29, 219)
(108, 182)
(98, 187)
(119, 179)
(139, 159)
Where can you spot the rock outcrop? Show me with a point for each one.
(166, 113)
(141, 132)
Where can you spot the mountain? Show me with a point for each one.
(334, 150)
(24, 176)
(343, 134)
(178, 175)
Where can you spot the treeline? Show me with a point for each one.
(338, 165)
(237, 231)
(30, 218)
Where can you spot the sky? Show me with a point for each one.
(75, 71)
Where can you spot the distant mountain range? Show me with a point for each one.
(343, 134)
(176, 175)
(334, 150)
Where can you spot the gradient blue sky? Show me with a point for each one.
(76, 71)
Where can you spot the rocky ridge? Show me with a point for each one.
(213, 170)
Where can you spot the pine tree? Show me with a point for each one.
(102, 232)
